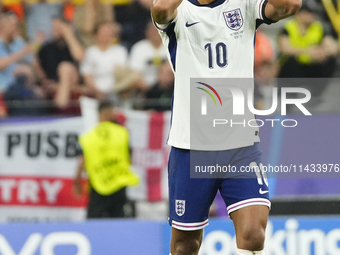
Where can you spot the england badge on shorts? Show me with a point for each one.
(180, 207)
(234, 19)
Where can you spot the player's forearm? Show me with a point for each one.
(281, 9)
(163, 11)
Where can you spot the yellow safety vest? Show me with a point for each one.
(107, 160)
(313, 36)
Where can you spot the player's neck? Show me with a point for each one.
(205, 1)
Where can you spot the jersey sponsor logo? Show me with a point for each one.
(263, 191)
(191, 24)
(180, 207)
(234, 19)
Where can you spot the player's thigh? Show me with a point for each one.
(190, 240)
(250, 224)
(254, 217)
(248, 185)
(246, 195)
(189, 198)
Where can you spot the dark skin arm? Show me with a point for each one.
(281, 9)
(163, 11)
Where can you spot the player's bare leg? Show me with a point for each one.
(250, 225)
(185, 242)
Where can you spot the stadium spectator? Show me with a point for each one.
(307, 51)
(64, 47)
(88, 15)
(159, 96)
(40, 15)
(102, 59)
(147, 55)
(107, 162)
(25, 91)
(13, 49)
(58, 61)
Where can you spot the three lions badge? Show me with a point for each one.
(180, 207)
(234, 19)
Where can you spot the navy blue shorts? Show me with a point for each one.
(190, 198)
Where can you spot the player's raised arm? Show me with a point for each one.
(281, 9)
(163, 11)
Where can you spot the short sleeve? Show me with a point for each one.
(260, 16)
(259, 8)
(162, 28)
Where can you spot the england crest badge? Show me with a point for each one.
(234, 19)
(180, 207)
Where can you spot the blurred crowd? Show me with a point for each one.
(52, 52)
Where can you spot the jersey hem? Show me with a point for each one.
(248, 202)
(189, 226)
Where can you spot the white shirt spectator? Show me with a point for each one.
(146, 59)
(101, 65)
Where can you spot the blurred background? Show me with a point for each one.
(60, 58)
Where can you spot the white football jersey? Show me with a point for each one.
(210, 41)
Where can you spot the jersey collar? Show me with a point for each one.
(211, 5)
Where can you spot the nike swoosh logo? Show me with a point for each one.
(263, 192)
(189, 25)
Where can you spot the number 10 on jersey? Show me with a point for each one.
(220, 50)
